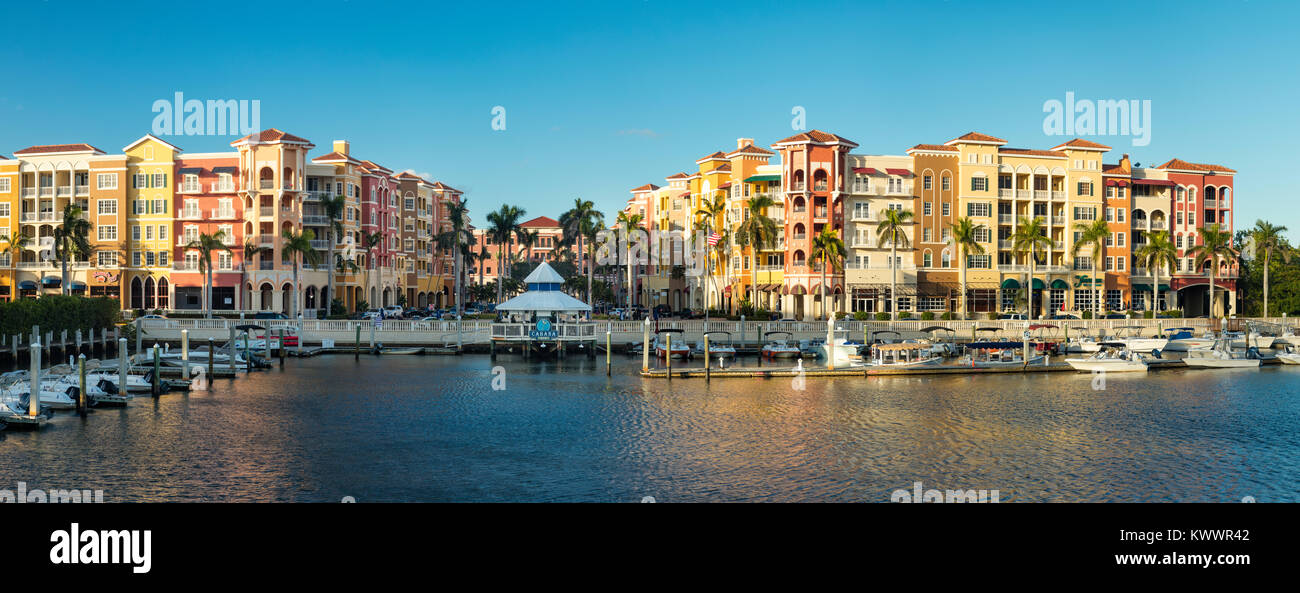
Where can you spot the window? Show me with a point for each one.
(928, 208)
(148, 233)
(4, 185)
(945, 259)
(979, 209)
(1085, 213)
(1119, 239)
(139, 181)
(1083, 262)
(927, 259)
(227, 234)
(1085, 188)
(106, 207)
(135, 232)
(149, 258)
(983, 234)
(927, 234)
(162, 258)
(928, 182)
(191, 183)
(947, 209)
(895, 185)
(979, 183)
(1110, 214)
(4, 209)
(135, 259)
(158, 180)
(106, 259)
(224, 261)
(947, 183)
(106, 232)
(978, 261)
(1119, 214)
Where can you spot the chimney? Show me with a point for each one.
(1124, 163)
(341, 146)
(741, 142)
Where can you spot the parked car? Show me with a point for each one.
(371, 313)
(1014, 317)
(153, 316)
(1115, 316)
(393, 312)
(1063, 316)
(270, 315)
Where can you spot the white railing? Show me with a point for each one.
(1006, 192)
(223, 214)
(266, 211)
(219, 187)
(83, 190)
(29, 192)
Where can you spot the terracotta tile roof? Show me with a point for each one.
(678, 176)
(373, 166)
(717, 155)
(541, 222)
(1029, 152)
(409, 175)
(646, 187)
(816, 136)
(1182, 165)
(1082, 144)
(333, 157)
(1114, 169)
(444, 187)
(273, 135)
(750, 149)
(937, 147)
(976, 137)
(48, 148)
(724, 167)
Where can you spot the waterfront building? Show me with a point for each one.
(1203, 196)
(149, 203)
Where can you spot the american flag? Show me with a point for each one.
(714, 237)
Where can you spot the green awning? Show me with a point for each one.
(754, 178)
(1147, 288)
(1038, 284)
(1010, 284)
(1060, 284)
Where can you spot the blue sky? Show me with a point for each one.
(601, 97)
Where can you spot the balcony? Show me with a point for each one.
(266, 211)
(64, 191)
(1158, 225)
(1058, 195)
(819, 213)
(47, 192)
(224, 188)
(315, 220)
(1058, 245)
(319, 244)
(83, 190)
(266, 184)
(191, 214)
(29, 192)
(219, 214)
(1005, 244)
(184, 266)
(1006, 218)
(1006, 192)
(798, 236)
(39, 217)
(314, 195)
(1058, 220)
(1041, 194)
(266, 240)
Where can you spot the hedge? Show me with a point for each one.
(56, 313)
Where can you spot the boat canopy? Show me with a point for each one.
(936, 328)
(1001, 345)
(1042, 326)
(901, 346)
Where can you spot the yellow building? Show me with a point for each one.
(150, 192)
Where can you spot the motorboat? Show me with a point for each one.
(943, 344)
(778, 347)
(134, 383)
(102, 392)
(720, 347)
(1044, 338)
(904, 355)
(1085, 343)
(1131, 337)
(1222, 356)
(1289, 356)
(1001, 354)
(51, 397)
(1183, 339)
(1253, 338)
(679, 347)
(1287, 336)
(1111, 357)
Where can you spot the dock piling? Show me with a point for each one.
(185, 354)
(157, 370)
(212, 356)
(609, 337)
(121, 367)
(282, 348)
(231, 350)
(81, 376)
(356, 343)
(645, 346)
(707, 376)
(668, 355)
(34, 400)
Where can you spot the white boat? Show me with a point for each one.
(719, 346)
(841, 351)
(1253, 339)
(1085, 343)
(1182, 339)
(940, 344)
(50, 396)
(904, 355)
(779, 347)
(134, 383)
(1112, 357)
(1220, 356)
(1135, 342)
(680, 349)
(101, 392)
(990, 355)
(1290, 356)
(1288, 337)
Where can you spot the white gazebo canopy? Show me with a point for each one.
(543, 295)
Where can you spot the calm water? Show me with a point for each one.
(432, 429)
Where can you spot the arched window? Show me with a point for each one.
(137, 294)
(148, 293)
(266, 178)
(927, 259)
(797, 184)
(819, 180)
(162, 293)
(945, 258)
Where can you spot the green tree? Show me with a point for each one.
(457, 239)
(251, 249)
(758, 231)
(1030, 239)
(962, 236)
(1158, 252)
(369, 241)
(207, 244)
(706, 218)
(1214, 246)
(828, 249)
(1092, 236)
(504, 224)
(71, 240)
(334, 209)
(1268, 238)
(629, 223)
(13, 246)
(579, 225)
(297, 249)
(893, 228)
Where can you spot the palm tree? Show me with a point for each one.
(369, 241)
(14, 245)
(1214, 245)
(297, 248)
(251, 250)
(1158, 252)
(629, 223)
(580, 225)
(527, 241)
(1092, 235)
(963, 237)
(758, 231)
(828, 248)
(1267, 237)
(893, 228)
(458, 238)
(1030, 239)
(71, 240)
(706, 217)
(205, 245)
(334, 208)
(505, 224)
